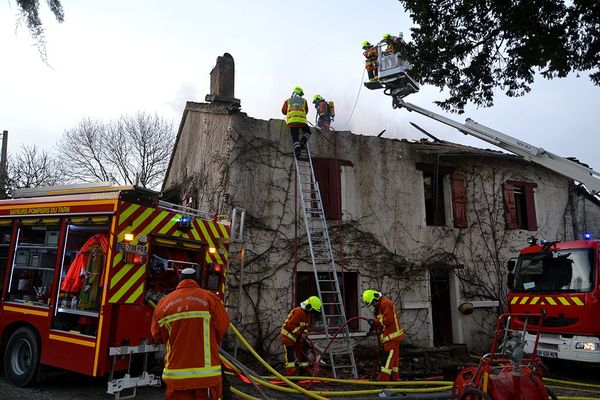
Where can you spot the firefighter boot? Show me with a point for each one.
(384, 377)
(304, 140)
(291, 371)
(297, 149)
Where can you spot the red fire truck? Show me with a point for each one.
(564, 279)
(79, 266)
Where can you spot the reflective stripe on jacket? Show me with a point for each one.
(296, 111)
(295, 323)
(387, 321)
(190, 321)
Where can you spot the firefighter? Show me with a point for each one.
(291, 338)
(370, 53)
(393, 43)
(387, 324)
(324, 116)
(180, 321)
(295, 109)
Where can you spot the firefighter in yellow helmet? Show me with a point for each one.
(393, 43)
(387, 324)
(370, 53)
(291, 338)
(295, 109)
(324, 112)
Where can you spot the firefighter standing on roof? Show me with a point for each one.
(324, 115)
(191, 321)
(294, 325)
(387, 324)
(295, 109)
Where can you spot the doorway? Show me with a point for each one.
(441, 313)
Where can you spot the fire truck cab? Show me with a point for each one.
(563, 279)
(80, 267)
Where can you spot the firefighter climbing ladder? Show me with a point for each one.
(341, 355)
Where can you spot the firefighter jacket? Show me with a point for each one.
(190, 321)
(387, 321)
(295, 323)
(76, 275)
(322, 110)
(295, 109)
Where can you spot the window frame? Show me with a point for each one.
(328, 174)
(519, 213)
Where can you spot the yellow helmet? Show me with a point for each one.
(298, 90)
(317, 97)
(369, 295)
(313, 303)
(365, 44)
(387, 36)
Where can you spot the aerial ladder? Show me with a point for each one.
(395, 81)
(335, 327)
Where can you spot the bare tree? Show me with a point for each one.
(30, 16)
(33, 167)
(135, 149)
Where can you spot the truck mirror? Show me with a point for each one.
(510, 281)
(510, 265)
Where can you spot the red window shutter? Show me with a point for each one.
(531, 218)
(335, 191)
(510, 208)
(327, 174)
(459, 201)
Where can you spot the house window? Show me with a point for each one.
(327, 174)
(434, 199)
(306, 287)
(519, 205)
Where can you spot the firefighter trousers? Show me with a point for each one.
(390, 361)
(294, 358)
(211, 393)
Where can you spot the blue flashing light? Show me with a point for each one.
(587, 236)
(185, 222)
(544, 242)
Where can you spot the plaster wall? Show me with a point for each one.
(383, 230)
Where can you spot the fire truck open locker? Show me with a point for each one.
(563, 278)
(78, 268)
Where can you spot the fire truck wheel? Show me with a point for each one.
(22, 357)
(475, 394)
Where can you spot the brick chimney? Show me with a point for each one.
(222, 79)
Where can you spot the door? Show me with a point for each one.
(440, 307)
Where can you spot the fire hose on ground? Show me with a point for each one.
(440, 390)
(441, 386)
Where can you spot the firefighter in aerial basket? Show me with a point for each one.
(291, 338)
(387, 324)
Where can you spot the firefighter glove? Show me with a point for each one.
(371, 327)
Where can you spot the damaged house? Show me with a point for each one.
(431, 224)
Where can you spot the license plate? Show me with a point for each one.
(549, 354)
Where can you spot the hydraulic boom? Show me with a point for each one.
(398, 84)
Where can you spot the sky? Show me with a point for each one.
(112, 57)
